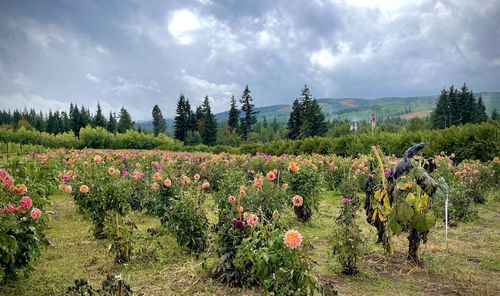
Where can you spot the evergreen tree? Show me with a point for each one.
(234, 116)
(494, 115)
(125, 122)
(249, 115)
(182, 118)
(159, 123)
(209, 132)
(74, 119)
(314, 120)
(439, 116)
(40, 123)
(65, 125)
(99, 119)
(112, 124)
(85, 117)
(481, 114)
(295, 120)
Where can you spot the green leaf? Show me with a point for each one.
(393, 224)
(405, 212)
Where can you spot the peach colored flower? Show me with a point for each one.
(230, 199)
(157, 177)
(84, 188)
(205, 185)
(68, 189)
(292, 239)
(167, 183)
(62, 186)
(297, 200)
(36, 213)
(252, 220)
(111, 171)
(97, 158)
(258, 181)
(293, 167)
(186, 180)
(285, 186)
(239, 209)
(154, 186)
(196, 177)
(271, 176)
(243, 190)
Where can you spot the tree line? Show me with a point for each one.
(73, 120)
(456, 107)
(199, 125)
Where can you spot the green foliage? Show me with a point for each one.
(21, 233)
(186, 218)
(306, 182)
(234, 116)
(346, 238)
(125, 122)
(249, 114)
(278, 269)
(159, 123)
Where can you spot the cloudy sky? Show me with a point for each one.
(140, 53)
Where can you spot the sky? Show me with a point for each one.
(137, 54)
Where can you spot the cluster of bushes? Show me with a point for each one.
(471, 141)
(90, 138)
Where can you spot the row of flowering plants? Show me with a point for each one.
(21, 228)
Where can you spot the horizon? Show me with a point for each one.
(138, 54)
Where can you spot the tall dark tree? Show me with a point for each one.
(99, 119)
(494, 115)
(440, 115)
(182, 118)
(74, 119)
(481, 114)
(125, 122)
(159, 123)
(39, 123)
(314, 120)
(295, 120)
(209, 132)
(112, 124)
(65, 124)
(249, 115)
(85, 117)
(234, 116)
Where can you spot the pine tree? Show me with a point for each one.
(99, 119)
(439, 116)
(112, 124)
(40, 122)
(315, 119)
(494, 115)
(234, 116)
(209, 133)
(74, 119)
(481, 114)
(295, 120)
(65, 126)
(249, 115)
(159, 123)
(85, 117)
(182, 118)
(125, 122)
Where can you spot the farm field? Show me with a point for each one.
(468, 266)
(164, 264)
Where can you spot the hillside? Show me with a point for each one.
(360, 108)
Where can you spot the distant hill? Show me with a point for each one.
(360, 108)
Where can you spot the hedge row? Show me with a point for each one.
(471, 141)
(90, 138)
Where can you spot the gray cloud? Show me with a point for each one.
(140, 53)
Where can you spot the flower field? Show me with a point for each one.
(163, 223)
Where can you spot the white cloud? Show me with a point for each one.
(93, 78)
(219, 93)
(21, 101)
(182, 26)
(323, 59)
(133, 87)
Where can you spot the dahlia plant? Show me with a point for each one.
(21, 228)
